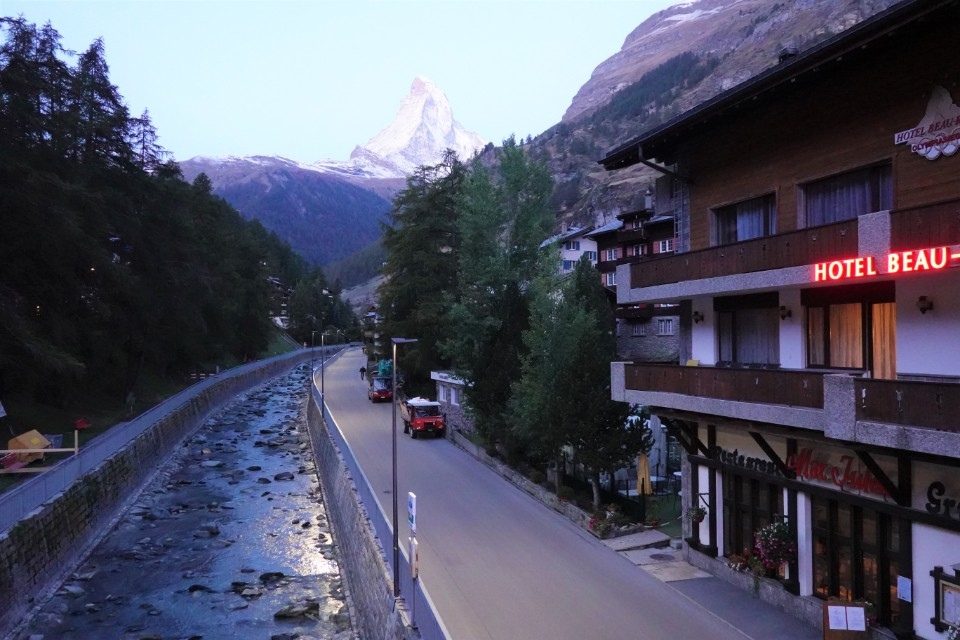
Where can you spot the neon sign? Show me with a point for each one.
(934, 259)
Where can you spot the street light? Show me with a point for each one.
(313, 344)
(396, 539)
(322, 353)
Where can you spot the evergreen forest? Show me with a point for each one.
(112, 267)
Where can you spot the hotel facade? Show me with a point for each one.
(817, 273)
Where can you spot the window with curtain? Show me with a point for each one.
(754, 218)
(853, 328)
(848, 195)
(749, 335)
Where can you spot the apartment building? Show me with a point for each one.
(817, 281)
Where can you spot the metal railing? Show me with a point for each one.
(427, 619)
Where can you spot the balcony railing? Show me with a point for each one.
(794, 249)
(930, 405)
(929, 226)
(790, 387)
(918, 227)
(631, 235)
(933, 405)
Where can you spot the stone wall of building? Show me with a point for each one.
(41, 549)
(650, 347)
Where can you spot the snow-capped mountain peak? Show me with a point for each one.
(422, 129)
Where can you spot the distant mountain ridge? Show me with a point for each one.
(328, 210)
(712, 44)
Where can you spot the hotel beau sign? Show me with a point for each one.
(938, 133)
(917, 260)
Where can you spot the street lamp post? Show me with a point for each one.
(396, 537)
(322, 353)
(313, 344)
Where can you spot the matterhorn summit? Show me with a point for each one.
(422, 130)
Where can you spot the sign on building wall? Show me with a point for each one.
(938, 133)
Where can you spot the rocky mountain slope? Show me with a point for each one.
(671, 62)
(330, 209)
(703, 48)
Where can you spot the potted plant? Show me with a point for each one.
(775, 545)
(696, 514)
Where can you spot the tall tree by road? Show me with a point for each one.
(563, 396)
(504, 218)
(422, 241)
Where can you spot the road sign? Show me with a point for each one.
(412, 511)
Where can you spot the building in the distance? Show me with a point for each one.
(818, 209)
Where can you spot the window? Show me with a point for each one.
(610, 254)
(852, 328)
(454, 396)
(590, 255)
(748, 329)
(572, 245)
(639, 328)
(568, 265)
(846, 196)
(639, 250)
(665, 246)
(856, 556)
(441, 393)
(754, 218)
(748, 504)
(611, 279)
(665, 326)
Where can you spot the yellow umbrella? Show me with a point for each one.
(643, 475)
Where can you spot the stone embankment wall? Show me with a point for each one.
(39, 551)
(367, 575)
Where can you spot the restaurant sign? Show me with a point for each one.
(938, 133)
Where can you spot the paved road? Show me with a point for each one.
(498, 564)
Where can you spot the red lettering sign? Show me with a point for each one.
(933, 259)
(844, 476)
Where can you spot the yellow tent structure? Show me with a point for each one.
(643, 475)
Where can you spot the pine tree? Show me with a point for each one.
(422, 241)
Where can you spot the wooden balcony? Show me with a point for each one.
(931, 405)
(630, 236)
(918, 404)
(927, 226)
(789, 387)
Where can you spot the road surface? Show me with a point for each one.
(498, 564)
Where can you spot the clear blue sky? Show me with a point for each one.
(311, 79)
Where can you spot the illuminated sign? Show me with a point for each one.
(934, 259)
(808, 465)
(938, 133)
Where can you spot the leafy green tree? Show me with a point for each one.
(422, 241)
(563, 397)
(504, 217)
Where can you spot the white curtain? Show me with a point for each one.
(846, 334)
(885, 341)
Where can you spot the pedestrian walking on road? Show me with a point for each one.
(363, 372)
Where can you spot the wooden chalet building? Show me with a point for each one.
(816, 273)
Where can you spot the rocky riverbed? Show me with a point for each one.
(229, 540)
